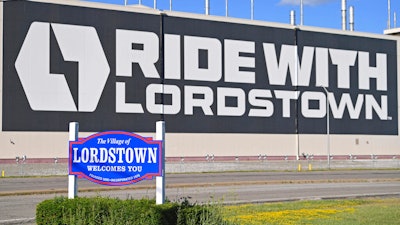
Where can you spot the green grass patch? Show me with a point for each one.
(338, 212)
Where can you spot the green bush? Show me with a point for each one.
(99, 210)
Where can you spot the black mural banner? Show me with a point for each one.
(119, 70)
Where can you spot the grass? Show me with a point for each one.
(338, 212)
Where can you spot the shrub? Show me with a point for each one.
(99, 210)
(104, 211)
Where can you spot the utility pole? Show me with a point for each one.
(328, 141)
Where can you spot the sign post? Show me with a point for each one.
(160, 180)
(72, 181)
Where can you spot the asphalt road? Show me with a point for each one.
(10, 186)
(222, 187)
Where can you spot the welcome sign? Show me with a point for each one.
(115, 158)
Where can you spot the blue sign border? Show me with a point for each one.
(108, 140)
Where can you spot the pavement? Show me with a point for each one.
(58, 184)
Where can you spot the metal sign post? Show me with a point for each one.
(160, 180)
(116, 158)
(72, 180)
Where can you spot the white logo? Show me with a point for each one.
(46, 91)
(50, 92)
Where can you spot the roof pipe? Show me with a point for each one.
(301, 13)
(252, 9)
(351, 19)
(344, 15)
(226, 8)
(207, 7)
(292, 18)
(388, 22)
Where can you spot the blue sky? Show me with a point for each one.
(370, 15)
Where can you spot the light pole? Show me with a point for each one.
(328, 147)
